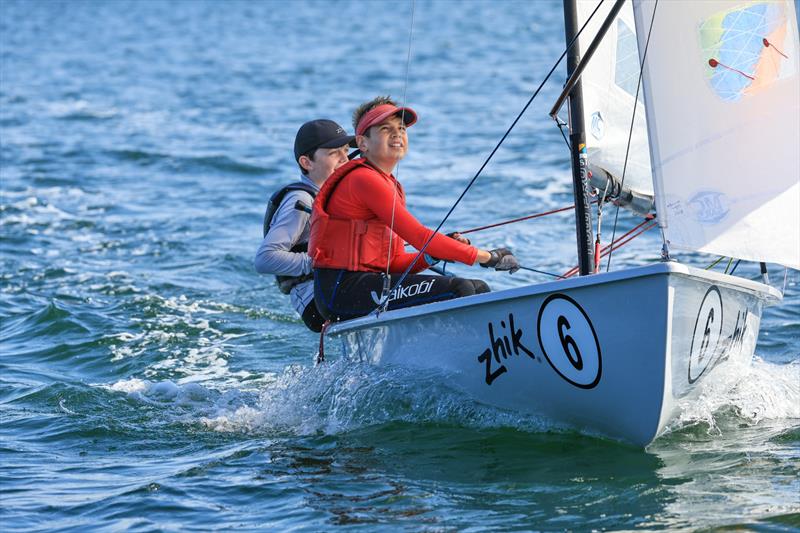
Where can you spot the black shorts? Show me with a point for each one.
(312, 318)
(342, 294)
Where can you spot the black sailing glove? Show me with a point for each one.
(509, 263)
(502, 259)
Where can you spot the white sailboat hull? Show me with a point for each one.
(610, 353)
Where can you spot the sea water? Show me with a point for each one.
(151, 380)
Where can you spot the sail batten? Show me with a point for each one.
(723, 119)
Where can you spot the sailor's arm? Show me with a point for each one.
(274, 255)
(483, 256)
(379, 196)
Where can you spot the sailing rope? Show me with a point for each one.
(560, 123)
(520, 219)
(386, 289)
(630, 131)
(730, 261)
(321, 353)
(385, 298)
(512, 221)
(557, 276)
(785, 277)
(712, 265)
(599, 226)
(645, 225)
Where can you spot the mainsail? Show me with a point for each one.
(609, 88)
(723, 116)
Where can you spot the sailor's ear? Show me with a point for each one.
(361, 142)
(304, 162)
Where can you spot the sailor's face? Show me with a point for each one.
(325, 161)
(387, 143)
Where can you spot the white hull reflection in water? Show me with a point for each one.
(612, 354)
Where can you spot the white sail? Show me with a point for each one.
(609, 91)
(723, 113)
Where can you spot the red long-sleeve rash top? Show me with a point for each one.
(367, 194)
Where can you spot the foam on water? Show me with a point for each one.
(328, 399)
(79, 110)
(342, 396)
(757, 392)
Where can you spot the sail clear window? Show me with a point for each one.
(626, 71)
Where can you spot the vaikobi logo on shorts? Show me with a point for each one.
(415, 289)
(569, 342)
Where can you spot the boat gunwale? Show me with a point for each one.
(768, 294)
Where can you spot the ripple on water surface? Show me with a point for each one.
(149, 379)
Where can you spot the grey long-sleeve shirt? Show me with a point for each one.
(289, 226)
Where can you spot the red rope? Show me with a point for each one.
(620, 242)
(597, 254)
(537, 215)
(321, 354)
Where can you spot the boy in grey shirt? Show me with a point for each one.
(320, 147)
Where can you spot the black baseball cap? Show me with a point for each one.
(321, 133)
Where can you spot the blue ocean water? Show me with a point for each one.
(150, 380)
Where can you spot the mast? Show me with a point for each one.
(577, 139)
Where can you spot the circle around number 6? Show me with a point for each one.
(569, 342)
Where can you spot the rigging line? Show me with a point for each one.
(712, 265)
(630, 131)
(627, 236)
(734, 267)
(637, 226)
(397, 170)
(599, 227)
(408, 55)
(618, 244)
(561, 125)
(728, 265)
(541, 272)
(321, 353)
(785, 277)
(520, 219)
(622, 240)
(385, 299)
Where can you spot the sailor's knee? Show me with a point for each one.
(480, 286)
(468, 287)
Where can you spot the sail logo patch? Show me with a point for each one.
(569, 342)
(707, 334)
(709, 207)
